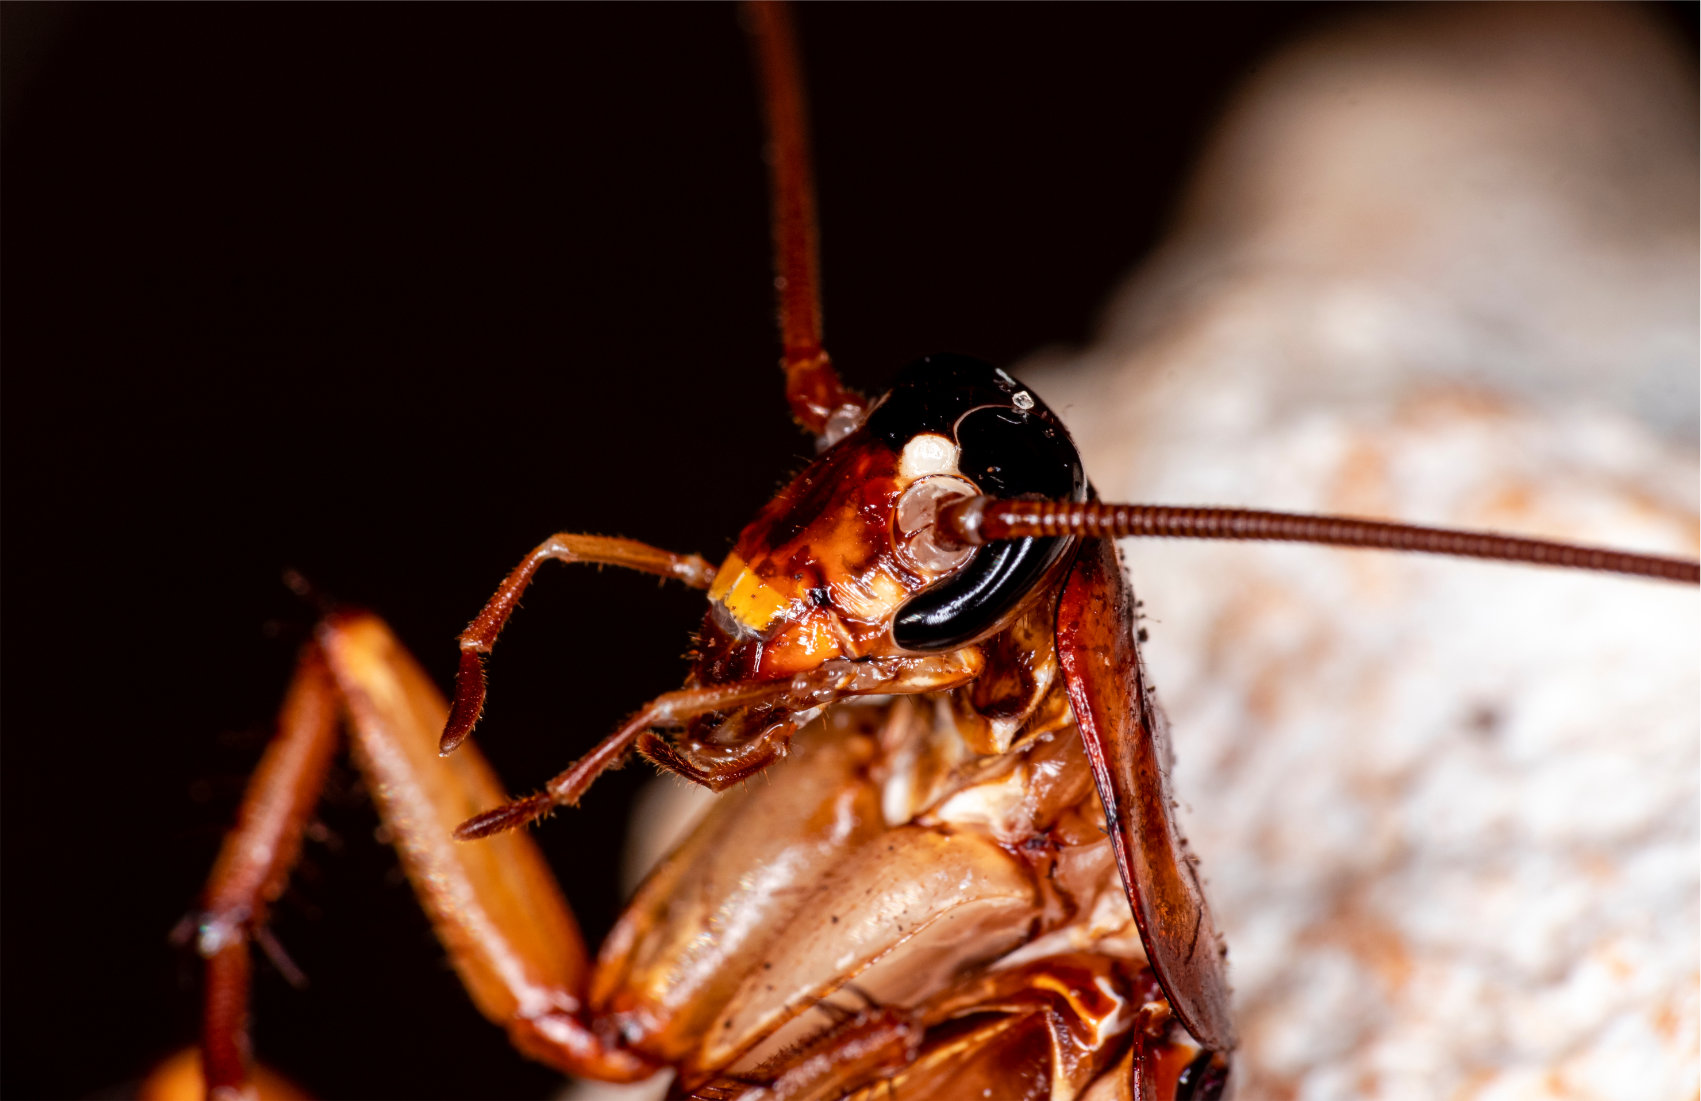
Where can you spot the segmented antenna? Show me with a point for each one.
(812, 386)
(977, 520)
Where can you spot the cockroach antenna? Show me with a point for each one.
(976, 521)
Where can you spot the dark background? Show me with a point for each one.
(385, 294)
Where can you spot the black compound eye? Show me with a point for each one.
(1010, 445)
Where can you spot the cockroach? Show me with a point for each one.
(965, 540)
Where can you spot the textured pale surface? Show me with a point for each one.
(1441, 269)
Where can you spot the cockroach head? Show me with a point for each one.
(844, 562)
(1006, 443)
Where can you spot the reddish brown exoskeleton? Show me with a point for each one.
(922, 903)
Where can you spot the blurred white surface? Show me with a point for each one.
(1440, 265)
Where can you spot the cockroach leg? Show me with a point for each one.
(859, 1047)
(993, 1034)
(725, 768)
(566, 788)
(718, 767)
(480, 636)
(862, 1046)
(496, 908)
(254, 862)
(225, 1049)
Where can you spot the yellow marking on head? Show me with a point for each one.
(750, 600)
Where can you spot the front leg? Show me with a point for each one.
(480, 636)
(778, 705)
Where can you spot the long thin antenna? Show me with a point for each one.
(812, 386)
(976, 520)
